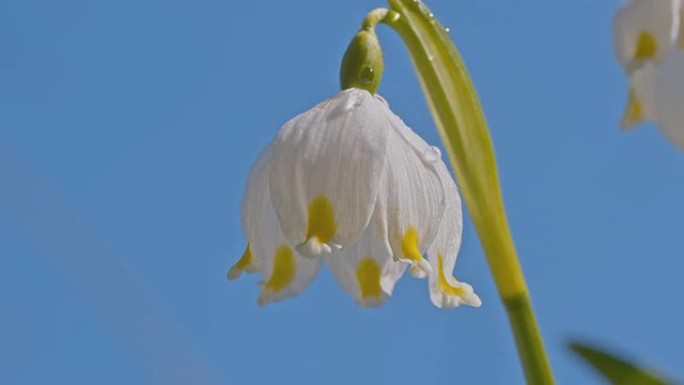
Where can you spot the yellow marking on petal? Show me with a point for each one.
(646, 46)
(409, 245)
(241, 265)
(368, 275)
(284, 269)
(409, 249)
(245, 260)
(444, 285)
(633, 113)
(321, 221)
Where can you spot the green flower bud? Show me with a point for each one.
(362, 63)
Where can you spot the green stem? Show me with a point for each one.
(460, 121)
(528, 340)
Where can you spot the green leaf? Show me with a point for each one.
(617, 371)
(461, 123)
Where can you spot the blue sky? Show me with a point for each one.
(127, 130)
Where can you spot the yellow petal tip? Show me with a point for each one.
(242, 265)
(633, 113)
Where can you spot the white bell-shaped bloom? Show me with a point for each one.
(644, 31)
(659, 96)
(349, 182)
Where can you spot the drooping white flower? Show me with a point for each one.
(648, 41)
(349, 182)
(659, 96)
(644, 31)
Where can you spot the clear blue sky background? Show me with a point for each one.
(127, 129)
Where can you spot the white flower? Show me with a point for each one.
(648, 42)
(644, 31)
(349, 182)
(659, 96)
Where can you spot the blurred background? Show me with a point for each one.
(127, 129)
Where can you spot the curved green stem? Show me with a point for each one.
(460, 121)
(373, 18)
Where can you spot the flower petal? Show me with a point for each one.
(445, 290)
(644, 31)
(367, 271)
(285, 273)
(642, 105)
(254, 204)
(661, 88)
(325, 172)
(412, 195)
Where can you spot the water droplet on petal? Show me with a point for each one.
(382, 100)
(431, 15)
(433, 154)
(354, 100)
(447, 30)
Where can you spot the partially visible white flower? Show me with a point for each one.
(648, 42)
(349, 182)
(644, 31)
(659, 96)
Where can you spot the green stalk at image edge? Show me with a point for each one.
(459, 118)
